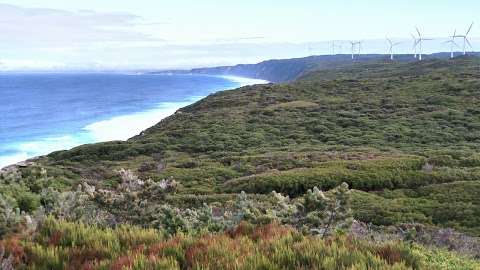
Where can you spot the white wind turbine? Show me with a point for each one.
(465, 40)
(452, 43)
(420, 43)
(390, 49)
(354, 44)
(359, 47)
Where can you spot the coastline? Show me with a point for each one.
(121, 127)
(108, 130)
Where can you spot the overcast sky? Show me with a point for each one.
(117, 34)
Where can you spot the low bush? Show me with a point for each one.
(60, 245)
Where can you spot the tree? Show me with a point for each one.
(9, 218)
(326, 213)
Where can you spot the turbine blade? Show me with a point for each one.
(469, 44)
(469, 29)
(418, 31)
(415, 43)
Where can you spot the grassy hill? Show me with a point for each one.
(403, 135)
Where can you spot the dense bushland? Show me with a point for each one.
(404, 136)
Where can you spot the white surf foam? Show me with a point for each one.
(127, 126)
(242, 81)
(12, 159)
(26, 150)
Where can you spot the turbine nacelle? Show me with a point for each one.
(355, 45)
(419, 42)
(391, 46)
(466, 41)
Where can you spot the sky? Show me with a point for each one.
(159, 34)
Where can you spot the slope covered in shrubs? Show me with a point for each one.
(404, 136)
(374, 125)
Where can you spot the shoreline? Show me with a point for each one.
(112, 129)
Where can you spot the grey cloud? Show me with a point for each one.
(38, 26)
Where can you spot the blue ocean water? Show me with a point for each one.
(41, 113)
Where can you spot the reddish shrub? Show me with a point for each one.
(81, 258)
(88, 266)
(270, 232)
(55, 238)
(195, 254)
(390, 254)
(157, 249)
(12, 246)
(243, 229)
(122, 263)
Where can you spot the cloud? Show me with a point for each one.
(28, 27)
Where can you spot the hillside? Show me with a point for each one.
(404, 136)
(285, 70)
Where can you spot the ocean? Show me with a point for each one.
(42, 113)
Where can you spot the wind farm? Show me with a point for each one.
(457, 44)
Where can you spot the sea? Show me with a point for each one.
(45, 112)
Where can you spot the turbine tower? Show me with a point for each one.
(465, 40)
(354, 44)
(390, 49)
(353, 49)
(452, 43)
(420, 41)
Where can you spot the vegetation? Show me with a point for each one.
(63, 245)
(404, 136)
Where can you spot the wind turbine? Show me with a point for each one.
(420, 43)
(353, 49)
(392, 44)
(452, 43)
(354, 44)
(465, 40)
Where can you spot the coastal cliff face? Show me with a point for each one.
(403, 135)
(282, 70)
(286, 70)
